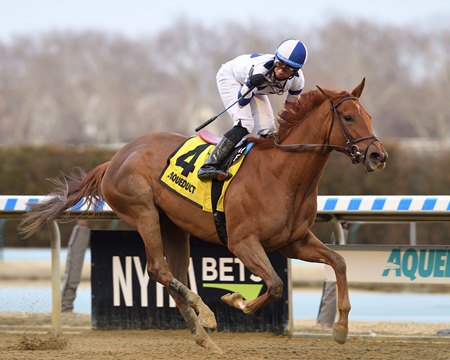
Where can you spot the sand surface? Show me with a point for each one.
(29, 336)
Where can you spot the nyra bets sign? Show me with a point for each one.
(123, 296)
(395, 264)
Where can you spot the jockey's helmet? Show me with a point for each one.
(292, 52)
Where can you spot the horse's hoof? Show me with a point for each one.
(339, 335)
(206, 317)
(227, 298)
(234, 299)
(208, 321)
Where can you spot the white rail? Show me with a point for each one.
(351, 208)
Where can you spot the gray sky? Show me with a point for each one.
(136, 18)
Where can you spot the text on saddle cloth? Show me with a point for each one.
(180, 173)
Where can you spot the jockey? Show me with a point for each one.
(250, 79)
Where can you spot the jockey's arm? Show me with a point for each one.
(245, 95)
(249, 88)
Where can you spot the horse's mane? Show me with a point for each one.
(292, 114)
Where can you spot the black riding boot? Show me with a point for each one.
(226, 144)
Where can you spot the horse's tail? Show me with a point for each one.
(69, 191)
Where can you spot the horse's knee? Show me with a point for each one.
(338, 263)
(160, 274)
(276, 290)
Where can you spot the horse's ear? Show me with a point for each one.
(357, 91)
(327, 93)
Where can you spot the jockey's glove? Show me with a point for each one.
(258, 80)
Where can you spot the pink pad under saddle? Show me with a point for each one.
(208, 136)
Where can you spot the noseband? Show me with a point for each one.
(352, 149)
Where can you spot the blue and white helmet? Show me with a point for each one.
(292, 52)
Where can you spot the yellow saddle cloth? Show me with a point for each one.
(180, 173)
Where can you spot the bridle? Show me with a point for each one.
(352, 149)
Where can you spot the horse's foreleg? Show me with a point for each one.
(311, 249)
(253, 256)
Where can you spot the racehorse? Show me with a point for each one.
(270, 204)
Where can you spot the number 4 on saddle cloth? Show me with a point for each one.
(180, 175)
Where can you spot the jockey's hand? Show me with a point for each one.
(258, 80)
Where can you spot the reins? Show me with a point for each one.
(351, 149)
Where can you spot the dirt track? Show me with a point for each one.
(367, 341)
(172, 344)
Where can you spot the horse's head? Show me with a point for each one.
(351, 129)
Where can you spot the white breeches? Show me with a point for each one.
(258, 114)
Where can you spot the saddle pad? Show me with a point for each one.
(180, 173)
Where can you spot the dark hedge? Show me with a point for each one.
(26, 170)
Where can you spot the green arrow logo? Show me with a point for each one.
(248, 291)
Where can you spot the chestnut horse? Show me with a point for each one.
(270, 204)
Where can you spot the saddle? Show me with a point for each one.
(180, 175)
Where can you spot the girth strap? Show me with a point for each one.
(219, 216)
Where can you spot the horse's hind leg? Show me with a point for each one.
(132, 200)
(144, 216)
(176, 250)
(313, 250)
(148, 226)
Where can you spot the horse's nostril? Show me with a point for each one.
(378, 157)
(375, 156)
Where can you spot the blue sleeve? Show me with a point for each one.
(245, 90)
(243, 101)
(295, 92)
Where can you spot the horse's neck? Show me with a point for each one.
(303, 169)
(313, 129)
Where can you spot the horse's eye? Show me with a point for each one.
(348, 118)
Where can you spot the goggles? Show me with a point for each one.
(285, 67)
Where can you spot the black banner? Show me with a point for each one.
(123, 297)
